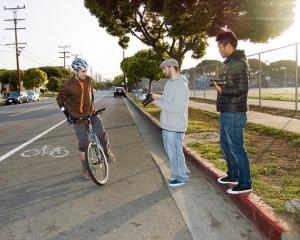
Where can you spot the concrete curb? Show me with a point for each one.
(258, 212)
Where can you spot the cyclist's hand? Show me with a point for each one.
(70, 120)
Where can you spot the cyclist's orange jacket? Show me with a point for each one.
(76, 96)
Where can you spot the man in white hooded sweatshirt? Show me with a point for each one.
(174, 120)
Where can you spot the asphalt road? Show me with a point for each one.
(45, 197)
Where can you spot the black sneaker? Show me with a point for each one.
(227, 180)
(176, 183)
(239, 189)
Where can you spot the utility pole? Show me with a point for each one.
(15, 20)
(125, 82)
(64, 52)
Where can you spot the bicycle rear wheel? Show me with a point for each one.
(97, 165)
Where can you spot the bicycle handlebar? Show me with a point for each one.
(99, 111)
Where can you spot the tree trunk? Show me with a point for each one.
(150, 82)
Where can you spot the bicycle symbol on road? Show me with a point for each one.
(46, 150)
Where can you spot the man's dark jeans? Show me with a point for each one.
(232, 126)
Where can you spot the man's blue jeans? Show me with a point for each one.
(173, 144)
(232, 126)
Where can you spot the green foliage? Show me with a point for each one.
(118, 80)
(281, 64)
(175, 27)
(108, 84)
(208, 66)
(53, 84)
(211, 152)
(10, 76)
(99, 85)
(143, 64)
(34, 78)
(58, 72)
(255, 64)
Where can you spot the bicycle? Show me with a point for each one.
(96, 161)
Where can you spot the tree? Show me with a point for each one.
(283, 64)
(58, 72)
(143, 64)
(255, 65)
(99, 85)
(34, 78)
(208, 66)
(175, 27)
(10, 77)
(53, 84)
(108, 84)
(118, 80)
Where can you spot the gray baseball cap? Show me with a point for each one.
(169, 62)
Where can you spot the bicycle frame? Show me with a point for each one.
(97, 161)
(93, 136)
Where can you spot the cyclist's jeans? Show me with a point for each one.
(81, 129)
(173, 144)
(232, 126)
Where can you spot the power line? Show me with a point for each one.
(39, 58)
(16, 44)
(29, 53)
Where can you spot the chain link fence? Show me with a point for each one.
(274, 78)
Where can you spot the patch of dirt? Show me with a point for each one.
(201, 137)
(274, 150)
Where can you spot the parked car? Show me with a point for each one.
(16, 97)
(33, 96)
(119, 91)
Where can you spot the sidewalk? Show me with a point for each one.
(208, 213)
(278, 122)
(258, 212)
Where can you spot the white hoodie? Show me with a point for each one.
(174, 105)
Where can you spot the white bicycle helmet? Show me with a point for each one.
(79, 64)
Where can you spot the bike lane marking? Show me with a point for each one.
(46, 150)
(30, 141)
(8, 154)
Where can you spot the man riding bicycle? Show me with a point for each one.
(76, 100)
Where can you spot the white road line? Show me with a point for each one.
(35, 138)
(29, 142)
(31, 110)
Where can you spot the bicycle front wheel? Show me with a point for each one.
(96, 164)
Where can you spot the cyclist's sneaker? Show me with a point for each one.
(239, 189)
(227, 180)
(111, 157)
(86, 176)
(171, 179)
(176, 183)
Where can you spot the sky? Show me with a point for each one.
(53, 23)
